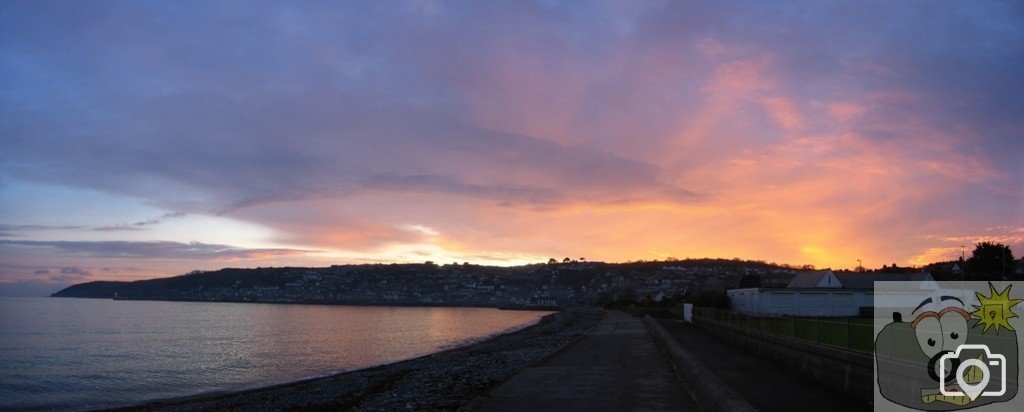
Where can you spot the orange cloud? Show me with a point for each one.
(638, 138)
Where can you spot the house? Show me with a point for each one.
(818, 293)
(815, 279)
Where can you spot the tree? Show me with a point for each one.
(552, 261)
(991, 261)
(710, 299)
(566, 260)
(749, 281)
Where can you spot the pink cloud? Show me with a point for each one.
(614, 131)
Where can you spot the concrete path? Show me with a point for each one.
(615, 367)
(763, 383)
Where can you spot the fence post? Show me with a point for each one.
(847, 329)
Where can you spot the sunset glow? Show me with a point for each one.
(141, 140)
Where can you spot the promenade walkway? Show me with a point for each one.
(615, 367)
(763, 383)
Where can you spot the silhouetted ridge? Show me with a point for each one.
(537, 285)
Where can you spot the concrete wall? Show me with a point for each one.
(799, 302)
(849, 372)
(707, 389)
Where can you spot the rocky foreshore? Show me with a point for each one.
(441, 381)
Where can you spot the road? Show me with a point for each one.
(614, 367)
(762, 382)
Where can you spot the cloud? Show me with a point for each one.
(70, 275)
(767, 130)
(424, 230)
(7, 230)
(118, 228)
(137, 226)
(168, 215)
(236, 149)
(152, 250)
(441, 184)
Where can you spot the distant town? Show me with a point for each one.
(558, 283)
(562, 283)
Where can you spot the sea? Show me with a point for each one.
(80, 354)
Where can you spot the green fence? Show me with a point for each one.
(848, 333)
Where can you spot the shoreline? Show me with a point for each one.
(446, 379)
(370, 303)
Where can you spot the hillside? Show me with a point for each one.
(430, 284)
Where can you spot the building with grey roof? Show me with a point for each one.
(819, 293)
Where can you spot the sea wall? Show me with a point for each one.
(847, 371)
(709, 392)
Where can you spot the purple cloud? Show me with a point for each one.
(741, 109)
(150, 250)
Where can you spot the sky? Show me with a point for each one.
(143, 139)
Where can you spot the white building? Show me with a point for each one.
(819, 293)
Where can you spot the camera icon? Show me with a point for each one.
(972, 389)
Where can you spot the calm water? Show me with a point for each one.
(84, 353)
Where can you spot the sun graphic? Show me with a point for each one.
(994, 310)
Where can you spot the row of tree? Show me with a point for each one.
(554, 261)
(988, 261)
